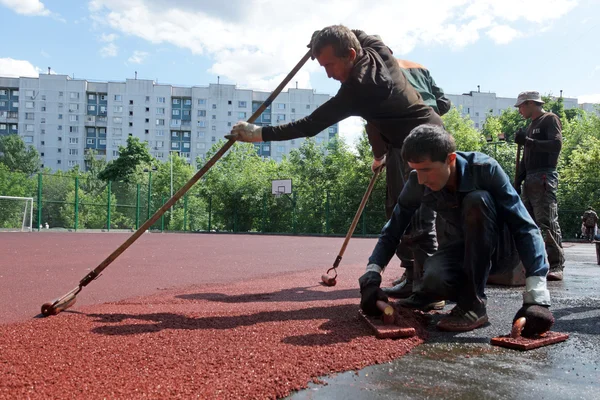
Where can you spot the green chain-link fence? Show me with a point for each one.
(75, 203)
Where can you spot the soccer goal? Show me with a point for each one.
(16, 214)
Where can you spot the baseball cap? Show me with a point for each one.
(529, 95)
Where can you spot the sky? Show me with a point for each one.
(504, 46)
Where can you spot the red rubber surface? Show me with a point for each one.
(208, 316)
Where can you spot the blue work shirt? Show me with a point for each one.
(475, 171)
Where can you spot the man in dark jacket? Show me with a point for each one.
(474, 196)
(542, 144)
(374, 88)
(413, 250)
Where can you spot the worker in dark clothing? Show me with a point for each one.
(474, 196)
(537, 172)
(419, 242)
(589, 219)
(373, 87)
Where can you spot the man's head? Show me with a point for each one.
(529, 103)
(430, 150)
(336, 48)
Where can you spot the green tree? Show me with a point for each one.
(17, 156)
(16, 184)
(132, 159)
(466, 136)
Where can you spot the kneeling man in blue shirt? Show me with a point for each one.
(476, 200)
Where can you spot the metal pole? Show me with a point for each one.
(209, 212)
(137, 207)
(108, 210)
(185, 204)
(162, 217)
(327, 213)
(149, 194)
(76, 202)
(39, 201)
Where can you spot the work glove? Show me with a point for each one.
(377, 162)
(370, 292)
(538, 319)
(245, 132)
(521, 137)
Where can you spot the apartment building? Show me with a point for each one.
(62, 117)
(478, 105)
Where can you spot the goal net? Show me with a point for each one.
(16, 214)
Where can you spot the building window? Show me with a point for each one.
(131, 124)
(28, 128)
(73, 152)
(213, 139)
(242, 104)
(160, 133)
(160, 99)
(214, 128)
(91, 108)
(118, 109)
(186, 113)
(117, 120)
(187, 102)
(28, 139)
(73, 118)
(175, 101)
(74, 95)
(160, 111)
(214, 116)
(117, 131)
(175, 112)
(89, 141)
(201, 124)
(29, 93)
(103, 97)
(118, 97)
(102, 141)
(202, 113)
(59, 116)
(281, 106)
(200, 135)
(60, 127)
(200, 145)
(186, 145)
(174, 145)
(229, 113)
(280, 117)
(160, 122)
(130, 102)
(160, 143)
(242, 115)
(29, 104)
(58, 161)
(43, 120)
(293, 110)
(214, 106)
(72, 163)
(73, 140)
(91, 96)
(308, 106)
(201, 102)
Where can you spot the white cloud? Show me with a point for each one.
(26, 7)
(351, 129)
(44, 54)
(503, 34)
(107, 38)
(137, 57)
(254, 42)
(17, 68)
(110, 50)
(588, 98)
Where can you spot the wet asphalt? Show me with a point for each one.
(466, 366)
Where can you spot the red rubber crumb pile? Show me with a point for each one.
(226, 341)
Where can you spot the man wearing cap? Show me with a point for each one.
(542, 143)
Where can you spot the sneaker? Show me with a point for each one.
(417, 301)
(399, 291)
(460, 320)
(556, 275)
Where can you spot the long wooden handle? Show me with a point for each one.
(357, 215)
(518, 163)
(93, 274)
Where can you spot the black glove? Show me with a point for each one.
(370, 292)
(521, 137)
(538, 319)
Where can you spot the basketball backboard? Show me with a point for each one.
(281, 186)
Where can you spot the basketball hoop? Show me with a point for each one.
(278, 194)
(279, 187)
